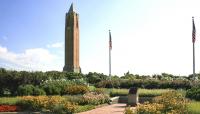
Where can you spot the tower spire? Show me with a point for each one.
(71, 9)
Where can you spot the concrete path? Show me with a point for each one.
(110, 109)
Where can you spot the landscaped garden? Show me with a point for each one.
(62, 92)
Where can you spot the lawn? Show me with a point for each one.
(194, 107)
(142, 92)
(9, 100)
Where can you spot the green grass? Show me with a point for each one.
(9, 100)
(118, 92)
(152, 92)
(194, 107)
(83, 108)
(142, 92)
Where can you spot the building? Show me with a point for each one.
(72, 41)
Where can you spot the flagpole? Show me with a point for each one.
(193, 42)
(110, 54)
(194, 60)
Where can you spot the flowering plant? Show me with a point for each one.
(9, 108)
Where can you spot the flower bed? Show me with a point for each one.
(9, 108)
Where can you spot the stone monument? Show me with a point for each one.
(133, 96)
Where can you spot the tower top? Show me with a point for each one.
(71, 9)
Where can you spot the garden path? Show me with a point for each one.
(110, 109)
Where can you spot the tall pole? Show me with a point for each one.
(110, 47)
(194, 61)
(193, 42)
(109, 62)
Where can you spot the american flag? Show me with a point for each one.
(110, 40)
(193, 31)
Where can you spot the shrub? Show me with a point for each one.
(171, 102)
(70, 107)
(76, 89)
(147, 108)
(193, 93)
(108, 83)
(128, 110)
(37, 91)
(95, 99)
(52, 89)
(75, 98)
(32, 103)
(37, 103)
(99, 91)
(148, 84)
(25, 90)
(92, 88)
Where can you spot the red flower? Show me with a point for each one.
(9, 108)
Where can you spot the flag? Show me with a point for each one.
(110, 40)
(193, 31)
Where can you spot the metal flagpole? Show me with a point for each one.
(193, 42)
(110, 47)
(194, 61)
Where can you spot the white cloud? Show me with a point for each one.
(32, 59)
(56, 45)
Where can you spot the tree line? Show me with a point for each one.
(52, 82)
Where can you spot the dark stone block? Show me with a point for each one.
(133, 90)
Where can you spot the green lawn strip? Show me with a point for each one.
(194, 107)
(83, 108)
(142, 92)
(9, 100)
(152, 92)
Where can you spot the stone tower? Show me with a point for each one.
(72, 42)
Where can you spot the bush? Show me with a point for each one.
(193, 93)
(150, 108)
(148, 84)
(76, 89)
(70, 107)
(99, 91)
(114, 83)
(52, 89)
(37, 103)
(95, 99)
(37, 91)
(25, 90)
(171, 102)
(128, 110)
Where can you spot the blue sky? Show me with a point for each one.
(149, 36)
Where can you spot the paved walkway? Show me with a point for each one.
(110, 109)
